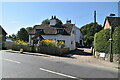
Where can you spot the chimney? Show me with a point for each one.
(53, 21)
(54, 17)
(68, 21)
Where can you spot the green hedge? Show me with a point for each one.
(102, 43)
(116, 40)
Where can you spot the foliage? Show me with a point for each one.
(12, 37)
(102, 42)
(88, 32)
(23, 34)
(51, 43)
(46, 21)
(29, 29)
(21, 42)
(116, 40)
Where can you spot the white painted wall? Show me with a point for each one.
(67, 39)
(78, 35)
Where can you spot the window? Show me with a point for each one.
(39, 31)
(60, 31)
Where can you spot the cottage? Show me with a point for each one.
(111, 21)
(55, 30)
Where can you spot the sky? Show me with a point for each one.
(16, 15)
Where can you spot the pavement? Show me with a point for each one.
(77, 57)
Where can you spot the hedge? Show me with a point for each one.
(116, 40)
(102, 42)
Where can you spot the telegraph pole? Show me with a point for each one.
(93, 50)
(94, 17)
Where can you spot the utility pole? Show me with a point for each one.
(93, 50)
(94, 17)
(111, 53)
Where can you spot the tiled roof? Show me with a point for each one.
(48, 30)
(114, 21)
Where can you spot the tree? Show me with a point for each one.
(13, 37)
(23, 35)
(88, 32)
(46, 21)
(29, 29)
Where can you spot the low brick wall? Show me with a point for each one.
(116, 57)
(38, 49)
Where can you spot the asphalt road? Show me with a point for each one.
(16, 65)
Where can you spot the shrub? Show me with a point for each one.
(51, 43)
(101, 41)
(21, 42)
(116, 40)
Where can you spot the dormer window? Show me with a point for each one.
(39, 31)
(60, 31)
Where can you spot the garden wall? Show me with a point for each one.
(38, 49)
(116, 57)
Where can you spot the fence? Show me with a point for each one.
(38, 49)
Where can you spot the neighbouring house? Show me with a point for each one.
(111, 21)
(2, 36)
(68, 33)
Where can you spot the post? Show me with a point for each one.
(111, 54)
(93, 50)
(94, 16)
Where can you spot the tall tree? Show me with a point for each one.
(88, 32)
(23, 34)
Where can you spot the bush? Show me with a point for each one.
(101, 41)
(116, 40)
(21, 42)
(51, 43)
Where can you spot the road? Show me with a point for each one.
(16, 65)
